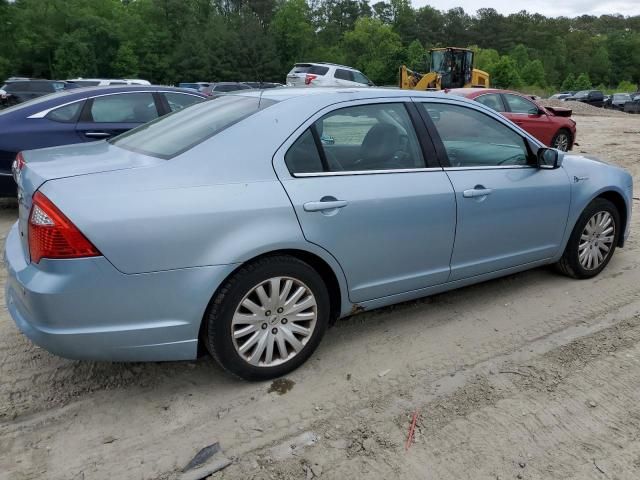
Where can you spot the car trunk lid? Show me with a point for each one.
(47, 164)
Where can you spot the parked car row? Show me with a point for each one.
(15, 91)
(20, 89)
(624, 102)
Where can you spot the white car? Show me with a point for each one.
(326, 75)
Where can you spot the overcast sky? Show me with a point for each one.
(555, 8)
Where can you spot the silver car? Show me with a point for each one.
(250, 223)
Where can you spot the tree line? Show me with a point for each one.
(167, 41)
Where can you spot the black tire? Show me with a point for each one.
(218, 319)
(570, 264)
(562, 133)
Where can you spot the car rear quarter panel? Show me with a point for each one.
(219, 203)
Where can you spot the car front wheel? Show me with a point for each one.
(593, 240)
(562, 140)
(268, 318)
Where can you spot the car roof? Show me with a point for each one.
(471, 92)
(341, 93)
(68, 96)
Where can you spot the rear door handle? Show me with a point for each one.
(324, 205)
(477, 192)
(97, 134)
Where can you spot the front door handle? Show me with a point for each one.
(477, 192)
(97, 134)
(324, 205)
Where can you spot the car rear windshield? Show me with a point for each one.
(308, 68)
(180, 131)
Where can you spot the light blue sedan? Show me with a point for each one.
(247, 224)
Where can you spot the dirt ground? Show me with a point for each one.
(532, 376)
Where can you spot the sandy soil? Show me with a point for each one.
(532, 376)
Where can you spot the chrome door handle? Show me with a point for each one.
(324, 205)
(97, 134)
(477, 192)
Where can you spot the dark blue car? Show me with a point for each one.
(81, 115)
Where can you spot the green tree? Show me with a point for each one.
(126, 62)
(569, 83)
(583, 82)
(416, 56)
(626, 86)
(505, 73)
(73, 57)
(292, 31)
(375, 49)
(520, 55)
(533, 73)
(486, 59)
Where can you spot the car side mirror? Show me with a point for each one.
(549, 158)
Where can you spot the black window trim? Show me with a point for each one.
(529, 141)
(424, 141)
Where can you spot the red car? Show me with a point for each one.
(552, 126)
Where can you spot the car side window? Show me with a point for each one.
(344, 75)
(303, 155)
(359, 138)
(491, 100)
(518, 104)
(360, 78)
(124, 108)
(178, 101)
(66, 114)
(474, 139)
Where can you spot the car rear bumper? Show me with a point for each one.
(86, 309)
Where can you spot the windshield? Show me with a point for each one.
(583, 93)
(178, 132)
(440, 61)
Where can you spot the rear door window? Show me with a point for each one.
(491, 100)
(124, 108)
(359, 138)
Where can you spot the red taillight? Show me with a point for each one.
(52, 235)
(309, 78)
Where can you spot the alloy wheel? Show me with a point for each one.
(274, 321)
(561, 142)
(596, 240)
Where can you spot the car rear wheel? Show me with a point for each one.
(562, 140)
(268, 318)
(593, 240)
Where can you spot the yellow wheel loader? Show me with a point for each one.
(450, 68)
